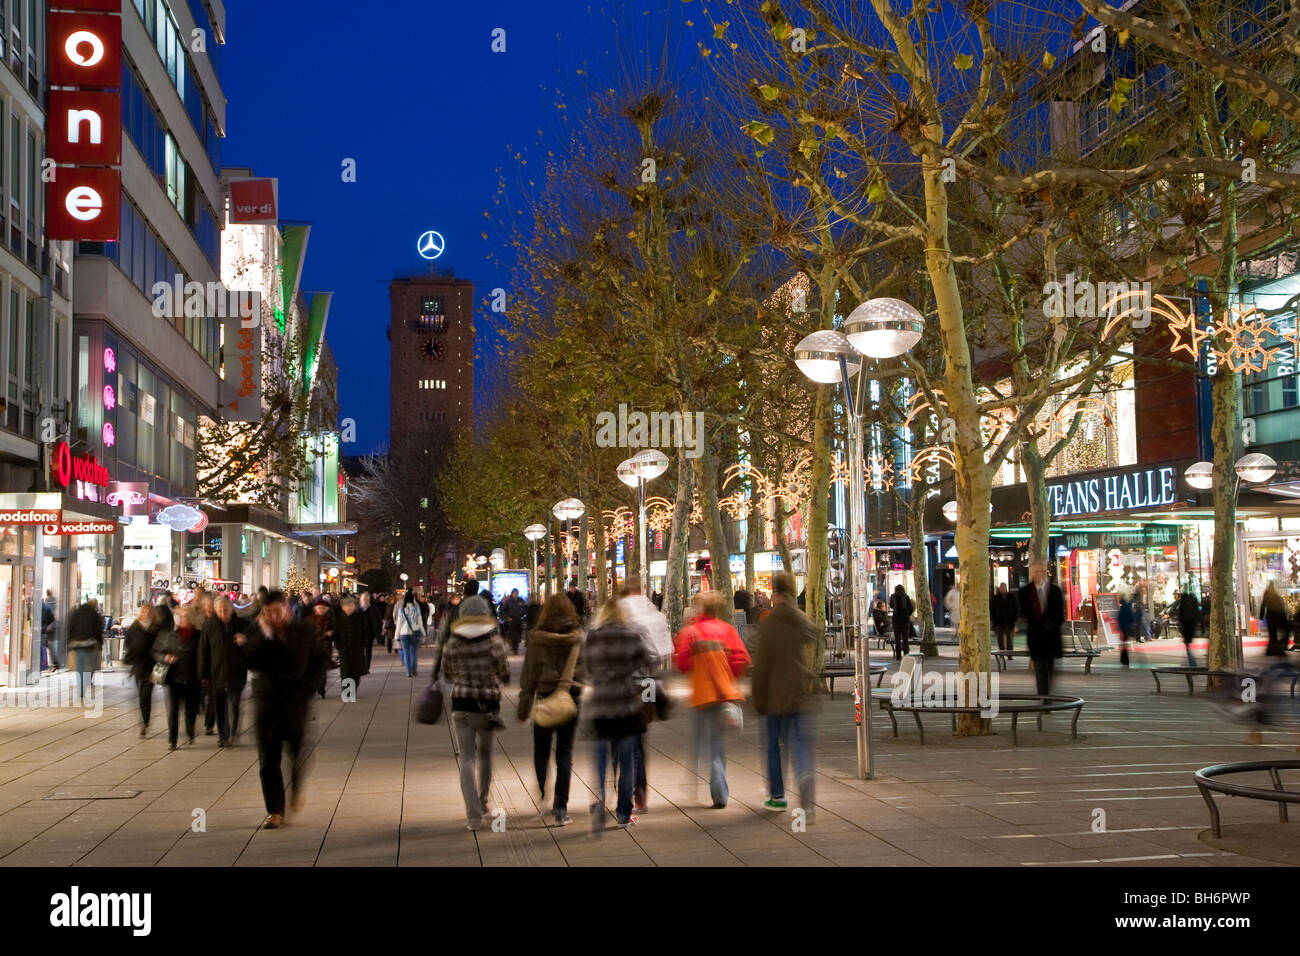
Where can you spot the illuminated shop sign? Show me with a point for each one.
(84, 130)
(30, 516)
(82, 527)
(1121, 491)
(84, 469)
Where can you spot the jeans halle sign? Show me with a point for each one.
(1123, 491)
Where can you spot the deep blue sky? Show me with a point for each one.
(413, 92)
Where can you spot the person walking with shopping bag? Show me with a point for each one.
(711, 652)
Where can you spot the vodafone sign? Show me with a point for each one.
(85, 124)
(30, 516)
(82, 527)
(67, 468)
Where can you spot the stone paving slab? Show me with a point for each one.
(383, 790)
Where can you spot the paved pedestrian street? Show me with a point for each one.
(383, 790)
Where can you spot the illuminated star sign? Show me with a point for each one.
(431, 245)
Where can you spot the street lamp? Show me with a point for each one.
(878, 328)
(950, 511)
(569, 509)
(535, 533)
(646, 465)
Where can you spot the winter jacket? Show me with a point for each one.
(139, 645)
(649, 622)
(409, 620)
(1004, 609)
(351, 635)
(619, 666)
(780, 677)
(287, 669)
(544, 661)
(473, 659)
(85, 629)
(221, 659)
(713, 654)
(1043, 624)
(183, 644)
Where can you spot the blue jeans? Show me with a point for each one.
(707, 736)
(623, 748)
(410, 654)
(791, 732)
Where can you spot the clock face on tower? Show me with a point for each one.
(433, 349)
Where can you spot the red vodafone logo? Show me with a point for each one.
(81, 527)
(68, 467)
(30, 516)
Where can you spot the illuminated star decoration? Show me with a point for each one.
(1246, 331)
(1186, 332)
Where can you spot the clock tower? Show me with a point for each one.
(431, 335)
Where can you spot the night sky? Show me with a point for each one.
(413, 92)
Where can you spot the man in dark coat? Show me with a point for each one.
(86, 641)
(222, 667)
(351, 637)
(1004, 610)
(288, 667)
(1189, 619)
(578, 599)
(1043, 607)
(780, 689)
(512, 620)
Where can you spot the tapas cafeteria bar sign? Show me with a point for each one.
(1119, 491)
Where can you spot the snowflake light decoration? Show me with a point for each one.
(1246, 331)
(880, 473)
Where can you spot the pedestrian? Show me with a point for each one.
(1141, 620)
(512, 619)
(351, 637)
(287, 664)
(86, 643)
(222, 668)
(579, 600)
(743, 602)
(1189, 619)
(952, 604)
(321, 622)
(901, 609)
(710, 650)
(409, 630)
(179, 650)
(1126, 627)
(552, 656)
(780, 688)
(140, 637)
(880, 617)
(1005, 612)
(1272, 610)
(374, 624)
(1043, 607)
(473, 660)
(648, 621)
(48, 657)
(619, 663)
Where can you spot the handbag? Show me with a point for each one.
(659, 707)
(159, 674)
(429, 708)
(558, 707)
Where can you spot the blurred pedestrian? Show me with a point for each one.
(86, 643)
(179, 650)
(140, 637)
(619, 663)
(780, 689)
(1189, 619)
(1272, 609)
(648, 621)
(321, 621)
(512, 620)
(351, 631)
(579, 600)
(1005, 612)
(473, 660)
(1043, 606)
(222, 668)
(553, 656)
(901, 609)
(952, 604)
(287, 663)
(374, 625)
(710, 650)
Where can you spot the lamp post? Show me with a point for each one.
(535, 533)
(646, 465)
(1254, 469)
(569, 509)
(878, 328)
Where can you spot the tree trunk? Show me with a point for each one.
(1222, 653)
(818, 506)
(602, 586)
(753, 540)
(920, 571)
(679, 540)
(1040, 509)
(706, 474)
(782, 545)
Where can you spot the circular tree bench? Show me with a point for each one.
(1206, 781)
(1013, 704)
(1188, 672)
(831, 671)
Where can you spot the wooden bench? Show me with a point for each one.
(1033, 703)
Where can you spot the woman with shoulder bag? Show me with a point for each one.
(178, 649)
(409, 629)
(140, 638)
(553, 666)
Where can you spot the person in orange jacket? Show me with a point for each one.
(711, 651)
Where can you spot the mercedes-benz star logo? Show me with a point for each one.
(431, 244)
